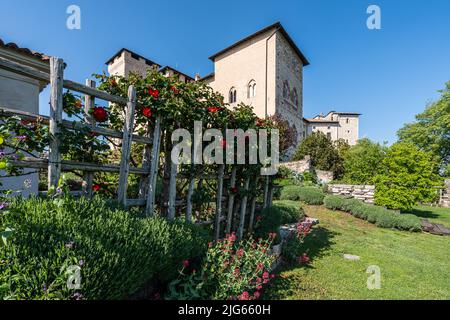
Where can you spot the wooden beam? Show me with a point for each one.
(172, 191)
(219, 202)
(150, 208)
(56, 110)
(35, 163)
(126, 147)
(231, 201)
(243, 210)
(42, 76)
(74, 125)
(89, 104)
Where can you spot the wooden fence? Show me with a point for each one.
(151, 157)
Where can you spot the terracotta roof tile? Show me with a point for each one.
(24, 51)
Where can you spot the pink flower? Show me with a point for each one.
(237, 271)
(256, 295)
(186, 263)
(240, 253)
(304, 259)
(266, 275)
(259, 267)
(244, 296)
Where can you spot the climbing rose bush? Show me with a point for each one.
(230, 271)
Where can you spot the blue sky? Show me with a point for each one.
(388, 75)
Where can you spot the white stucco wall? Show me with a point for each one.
(244, 63)
(20, 93)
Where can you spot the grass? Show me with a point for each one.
(433, 214)
(413, 265)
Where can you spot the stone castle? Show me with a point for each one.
(264, 70)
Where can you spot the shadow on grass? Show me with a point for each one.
(423, 213)
(316, 244)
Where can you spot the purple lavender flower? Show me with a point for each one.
(78, 296)
(4, 205)
(58, 190)
(21, 138)
(70, 245)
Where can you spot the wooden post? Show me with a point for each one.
(126, 147)
(243, 210)
(172, 191)
(189, 194)
(150, 207)
(146, 164)
(219, 202)
(266, 192)
(271, 190)
(56, 110)
(253, 208)
(89, 104)
(231, 201)
(252, 215)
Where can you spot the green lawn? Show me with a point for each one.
(436, 215)
(413, 265)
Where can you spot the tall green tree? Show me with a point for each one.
(408, 175)
(363, 161)
(324, 155)
(431, 131)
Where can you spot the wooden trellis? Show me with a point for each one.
(151, 157)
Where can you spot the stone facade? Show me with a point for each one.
(445, 195)
(365, 193)
(324, 176)
(336, 125)
(298, 166)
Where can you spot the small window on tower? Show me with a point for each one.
(348, 120)
(232, 95)
(251, 89)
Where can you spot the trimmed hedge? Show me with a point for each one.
(380, 216)
(118, 253)
(280, 213)
(308, 195)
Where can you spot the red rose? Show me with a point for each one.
(100, 114)
(78, 104)
(186, 263)
(96, 188)
(259, 123)
(174, 90)
(304, 259)
(213, 109)
(147, 112)
(153, 92)
(224, 143)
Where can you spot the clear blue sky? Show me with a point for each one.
(389, 75)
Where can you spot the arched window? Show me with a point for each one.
(251, 89)
(232, 96)
(286, 90)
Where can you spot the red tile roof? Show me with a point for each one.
(24, 51)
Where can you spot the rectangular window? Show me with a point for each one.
(329, 135)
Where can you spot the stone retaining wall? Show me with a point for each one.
(299, 166)
(445, 195)
(365, 193)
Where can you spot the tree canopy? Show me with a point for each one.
(408, 175)
(363, 161)
(431, 131)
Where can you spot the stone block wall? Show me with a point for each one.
(365, 193)
(445, 195)
(324, 176)
(299, 166)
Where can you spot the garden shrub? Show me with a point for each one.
(230, 271)
(309, 195)
(293, 250)
(380, 216)
(280, 213)
(118, 253)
